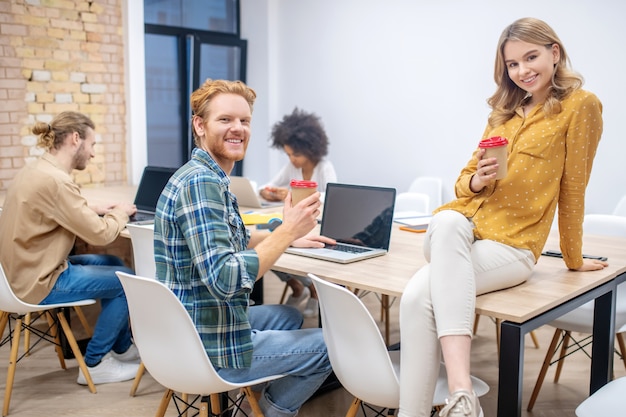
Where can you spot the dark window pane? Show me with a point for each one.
(219, 62)
(163, 101)
(210, 15)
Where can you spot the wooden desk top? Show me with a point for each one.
(550, 285)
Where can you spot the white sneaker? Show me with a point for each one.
(312, 308)
(130, 356)
(462, 404)
(296, 301)
(109, 370)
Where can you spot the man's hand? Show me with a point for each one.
(301, 218)
(313, 241)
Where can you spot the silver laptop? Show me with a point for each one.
(359, 218)
(152, 182)
(246, 194)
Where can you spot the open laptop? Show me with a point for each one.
(247, 195)
(359, 218)
(152, 182)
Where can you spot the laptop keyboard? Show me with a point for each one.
(347, 248)
(141, 216)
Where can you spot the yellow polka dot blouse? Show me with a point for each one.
(549, 162)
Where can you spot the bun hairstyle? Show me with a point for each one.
(53, 134)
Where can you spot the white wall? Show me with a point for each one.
(401, 85)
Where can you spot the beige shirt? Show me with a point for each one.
(43, 212)
(549, 162)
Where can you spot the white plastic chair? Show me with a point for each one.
(607, 401)
(431, 186)
(171, 349)
(358, 353)
(14, 308)
(410, 202)
(142, 241)
(620, 209)
(581, 319)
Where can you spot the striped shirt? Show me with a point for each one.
(549, 162)
(200, 247)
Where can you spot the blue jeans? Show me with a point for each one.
(282, 347)
(93, 276)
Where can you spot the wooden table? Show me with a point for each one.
(552, 291)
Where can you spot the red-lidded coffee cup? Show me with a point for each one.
(496, 147)
(301, 189)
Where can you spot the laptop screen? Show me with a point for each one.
(152, 182)
(358, 214)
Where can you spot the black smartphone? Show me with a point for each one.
(558, 254)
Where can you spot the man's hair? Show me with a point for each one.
(303, 133)
(53, 134)
(201, 98)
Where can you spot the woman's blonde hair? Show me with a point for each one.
(201, 98)
(508, 95)
(53, 134)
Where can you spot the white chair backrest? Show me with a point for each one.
(432, 186)
(356, 348)
(8, 300)
(412, 202)
(167, 339)
(604, 224)
(607, 401)
(620, 209)
(142, 238)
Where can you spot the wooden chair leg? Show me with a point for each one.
(622, 346)
(140, 372)
(559, 365)
(216, 406)
(498, 323)
(165, 402)
(83, 320)
(203, 410)
(476, 318)
(77, 353)
(12, 364)
(384, 303)
(4, 319)
(533, 336)
(27, 320)
(253, 400)
(185, 398)
(283, 297)
(544, 369)
(57, 340)
(354, 407)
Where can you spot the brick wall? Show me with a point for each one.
(58, 55)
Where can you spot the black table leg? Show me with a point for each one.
(603, 341)
(511, 363)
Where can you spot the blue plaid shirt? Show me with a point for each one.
(200, 249)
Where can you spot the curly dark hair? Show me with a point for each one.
(303, 132)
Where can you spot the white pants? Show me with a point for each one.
(439, 299)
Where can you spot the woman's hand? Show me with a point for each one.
(274, 193)
(592, 265)
(486, 171)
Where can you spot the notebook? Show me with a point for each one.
(247, 195)
(359, 218)
(152, 182)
